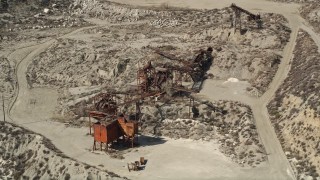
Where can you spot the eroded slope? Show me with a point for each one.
(295, 110)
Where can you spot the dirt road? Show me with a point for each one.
(74, 143)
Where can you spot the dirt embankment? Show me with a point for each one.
(25, 155)
(295, 111)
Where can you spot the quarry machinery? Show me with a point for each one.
(118, 130)
(195, 68)
(157, 79)
(152, 82)
(236, 19)
(106, 106)
(111, 128)
(105, 102)
(145, 77)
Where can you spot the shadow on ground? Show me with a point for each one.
(150, 140)
(141, 141)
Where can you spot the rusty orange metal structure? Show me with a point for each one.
(110, 111)
(117, 130)
(96, 115)
(144, 78)
(105, 105)
(106, 102)
(151, 80)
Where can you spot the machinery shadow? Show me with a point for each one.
(141, 141)
(150, 140)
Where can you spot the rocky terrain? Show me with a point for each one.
(7, 78)
(311, 12)
(295, 111)
(94, 56)
(110, 55)
(25, 155)
(95, 46)
(231, 124)
(38, 15)
(25, 21)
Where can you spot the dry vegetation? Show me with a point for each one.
(295, 111)
(229, 123)
(311, 12)
(109, 55)
(7, 79)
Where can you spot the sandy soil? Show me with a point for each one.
(162, 156)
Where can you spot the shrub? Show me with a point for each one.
(67, 177)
